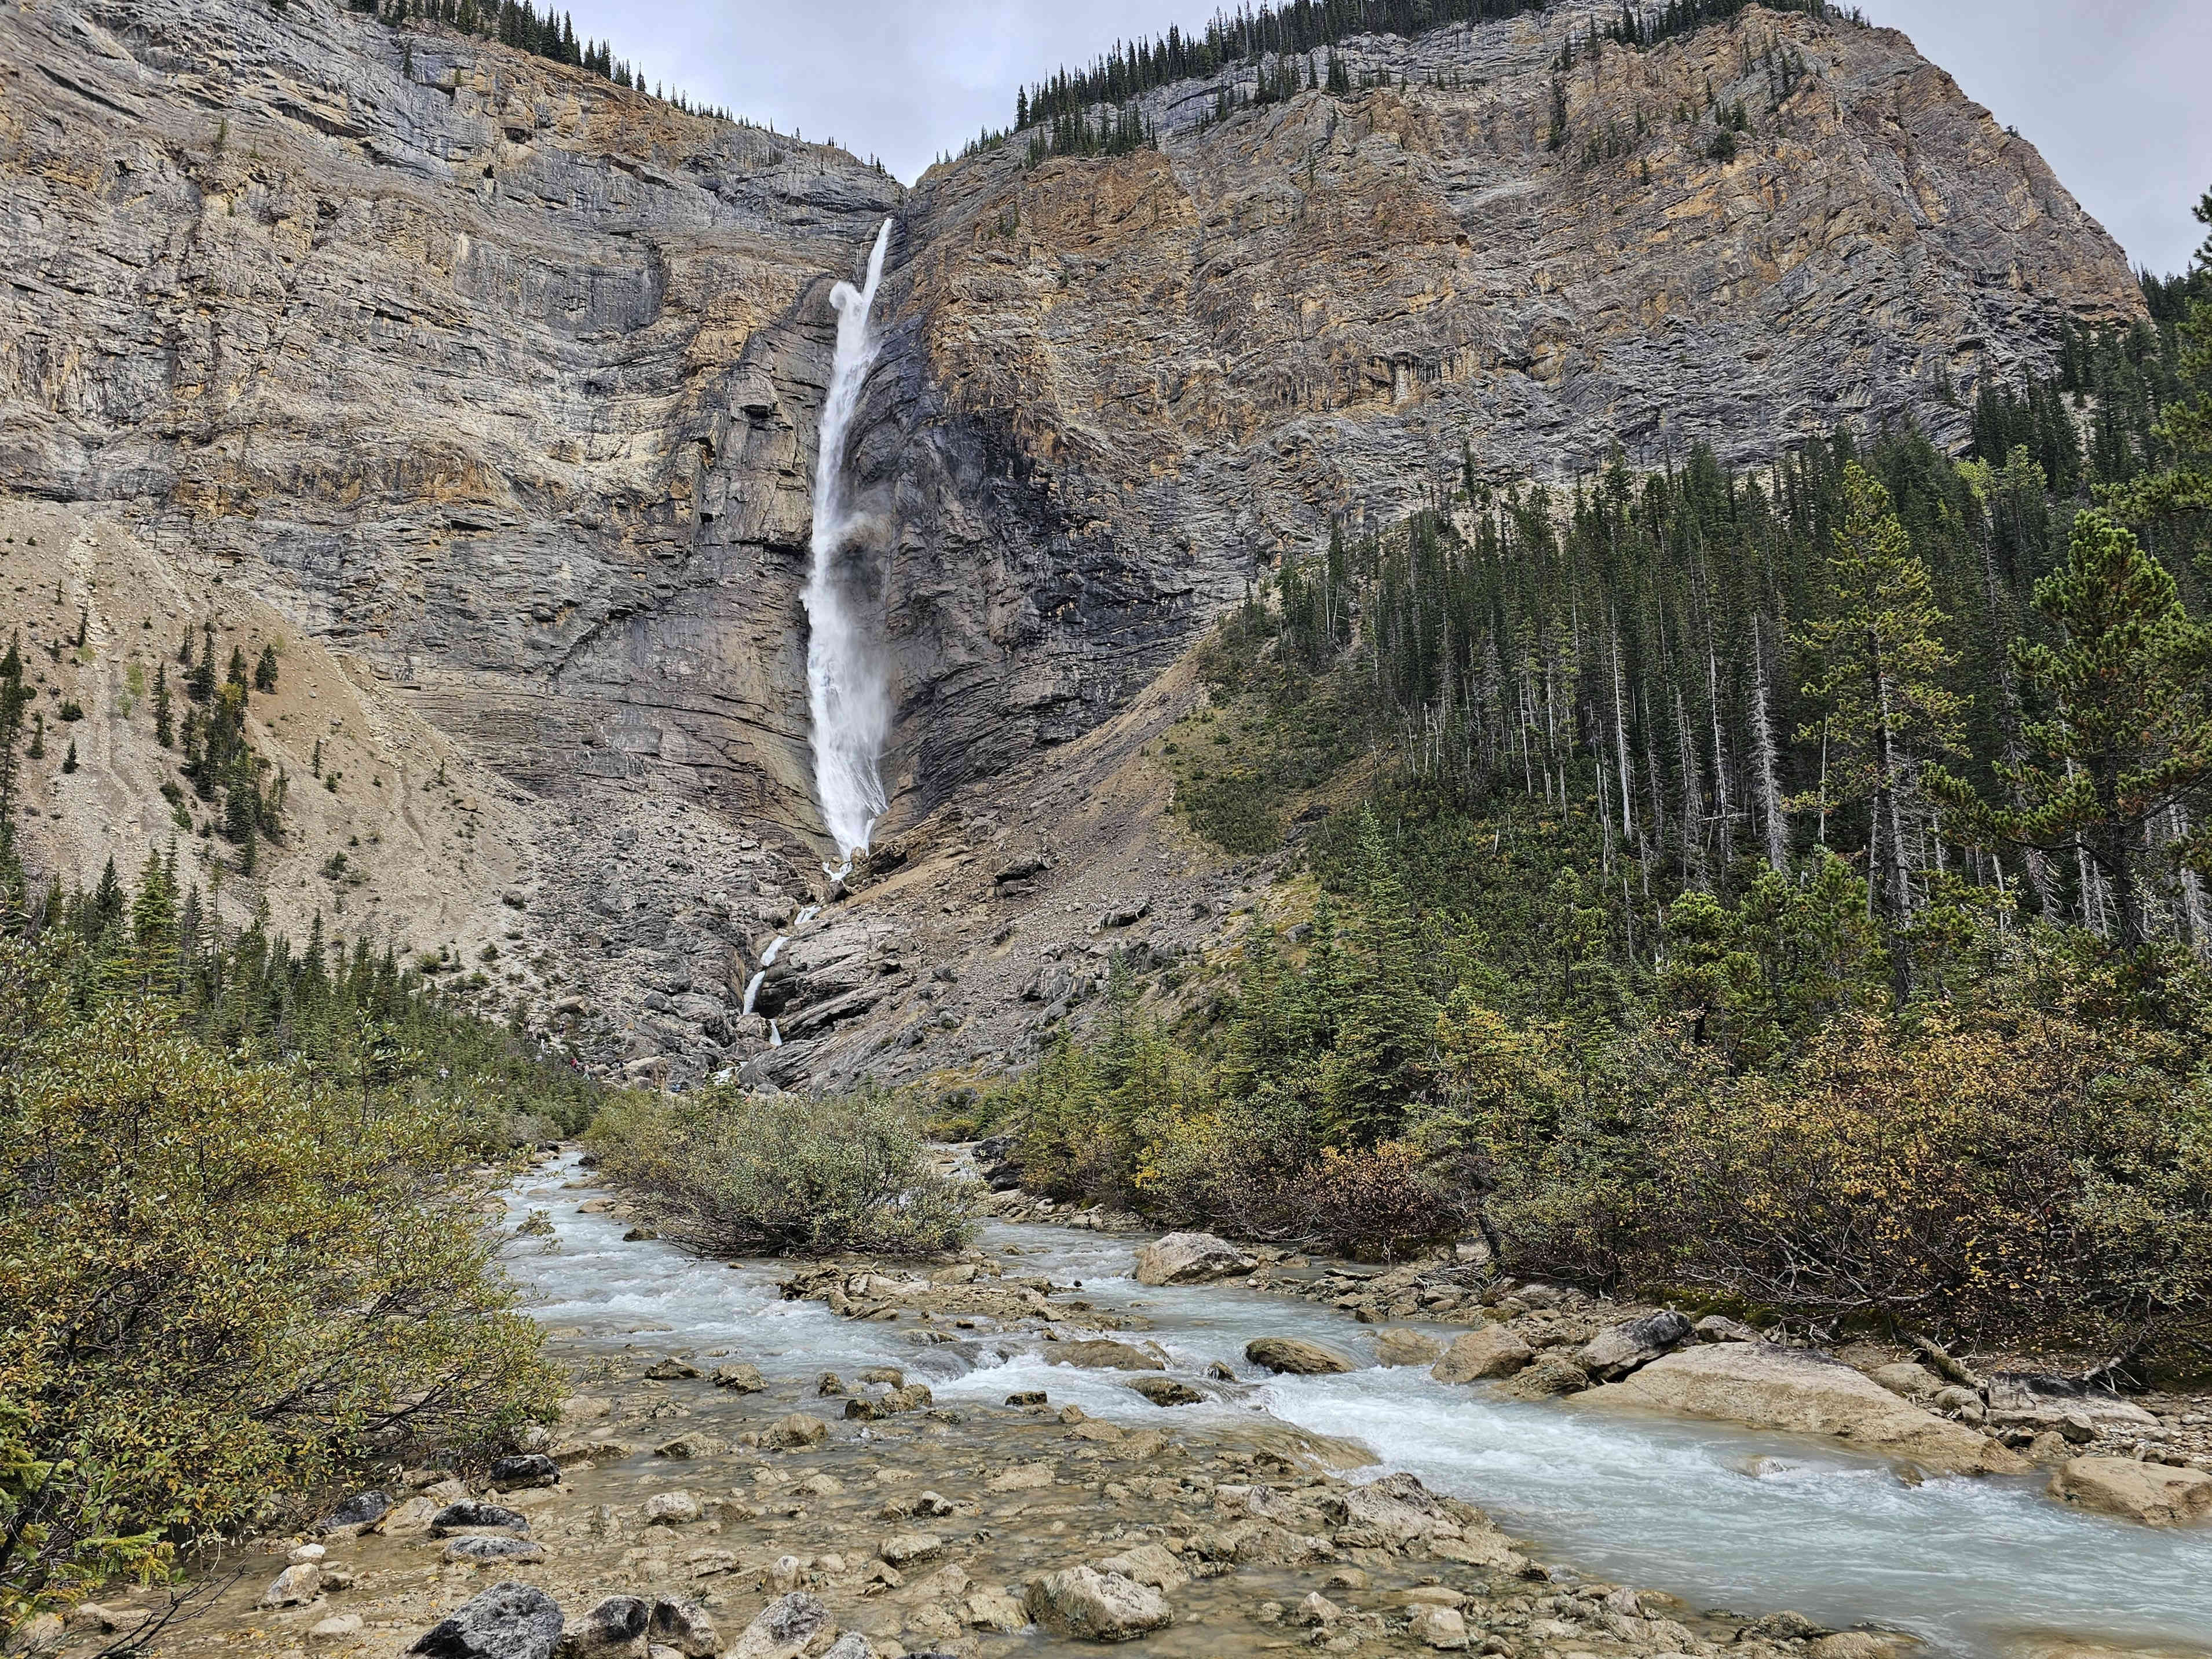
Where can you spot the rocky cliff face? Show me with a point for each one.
(491, 389)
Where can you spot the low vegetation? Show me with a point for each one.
(733, 1174)
(241, 1248)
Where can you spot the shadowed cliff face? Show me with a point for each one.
(500, 385)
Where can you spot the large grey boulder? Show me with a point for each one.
(1765, 1386)
(784, 1629)
(1189, 1259)
(508, 1621)
(1090, 1606)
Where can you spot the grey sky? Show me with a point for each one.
(2111, 91)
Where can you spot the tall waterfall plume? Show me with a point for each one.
(846, 692)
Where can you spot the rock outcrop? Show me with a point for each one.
(491, 389)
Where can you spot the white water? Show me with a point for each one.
(774, 1035)
(844, 677)
(1721, 1517)
(753, 985)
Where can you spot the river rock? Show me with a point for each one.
(1441, 1628)
(742, 1379)
(494, 1547)
(1166, 1391)
(784, 1629)
(995, 1610)
(1719, 1328)
(671, 1371)
(1398, 1507)
(1090, 1606)
(686, 1626)
(1295, 1357)
(295, 1587)
(359, 1512)
(906, 1549)
(1907, 1379)
(1614, 1352)
(1547, 1379)
(614, 1628)
(508, 1621)
(1102, 1355)
(672, 1509)
(796, 1431)
(1315, 1612)
(1765, 1386)
(471, 1515)
(1189, 1259)
(525, 1472)
(1148, 1563)
(2155, 1494)
(1399, 1346)
(1490, 1351)
(339, 1629)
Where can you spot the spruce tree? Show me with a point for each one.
(1878, 658)
(2127, 749)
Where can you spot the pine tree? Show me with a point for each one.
(264, 671)
(2176, 497)
(1879, 655)
(164, 731)
(2128, 746)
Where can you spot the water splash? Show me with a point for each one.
(844, 676)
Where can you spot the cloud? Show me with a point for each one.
(2109, 90)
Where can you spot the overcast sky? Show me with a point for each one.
(2111, 91)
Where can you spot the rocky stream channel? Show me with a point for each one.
(1030, 1451)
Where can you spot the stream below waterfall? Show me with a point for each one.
(1721, 1517)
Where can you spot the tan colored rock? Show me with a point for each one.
(1102, 1355)
(1491, 1351)
(1441, 1628)
(1090, 1606)
(995, 1610)
(2157, 1494)
(1397, 1346)
(797, 1431)
(1189, 1259)
(1768, 1387)
(1294, 1356)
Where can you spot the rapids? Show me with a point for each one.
(1721, 1517)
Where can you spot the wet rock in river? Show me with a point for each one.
(672, 1370)
(672, 1509)
(1480, 1355)
(2155, 1494)
(1090, 1606)
(1166, 1391)
(1399, 1346)
(1102, 1355)
(686, 1627)
(508, 1621)
(784, 1629)
(613, 1629)
(525, 1472)
(295, 1587)
(1189, 1259)
(744, 1379)
(362, 1510)
(471, 1515)
(1295, 1357)
(489, 1546)
(1546, 1380)
(797, 1431)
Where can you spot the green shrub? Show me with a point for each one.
(733, 1174)
(219, 1281)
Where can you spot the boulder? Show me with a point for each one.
(363, 1509)
(1547, 1379)
(470, 1516)
(340, 1629)
(613, 1629)
(508, 1621)
(295, 1587)
(672, 1370)
(672, 1509)
(1399, 1346)
(1102, 1355)
(745, 1379)
(784, 1629)
(906, 1549)
(1398, 1506)
(686, 1627)
(494, 1547)
(523, 1473)
(2155, 1494)
(1491, 1352)
(797, 1431)
(1298, 1357)
(1765, 1386)
(1907, 1379)
(1166, 1391)
(1441, 1628)
(1148, 1563)
(1189, 1259)
(1316, 1611)
(1090, 1606)
(1614, 1352)
(995, 1610)
(1719, 1328)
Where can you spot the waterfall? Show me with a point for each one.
(752, 988)
(844, 680)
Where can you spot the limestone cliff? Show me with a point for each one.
(491, 389)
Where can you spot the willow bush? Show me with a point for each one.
(729, 1173)
(220, 1281)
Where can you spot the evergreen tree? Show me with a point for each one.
(1879, 658)
(264, 669)
(2174, 500)
(2127, 748)
(164, 731)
